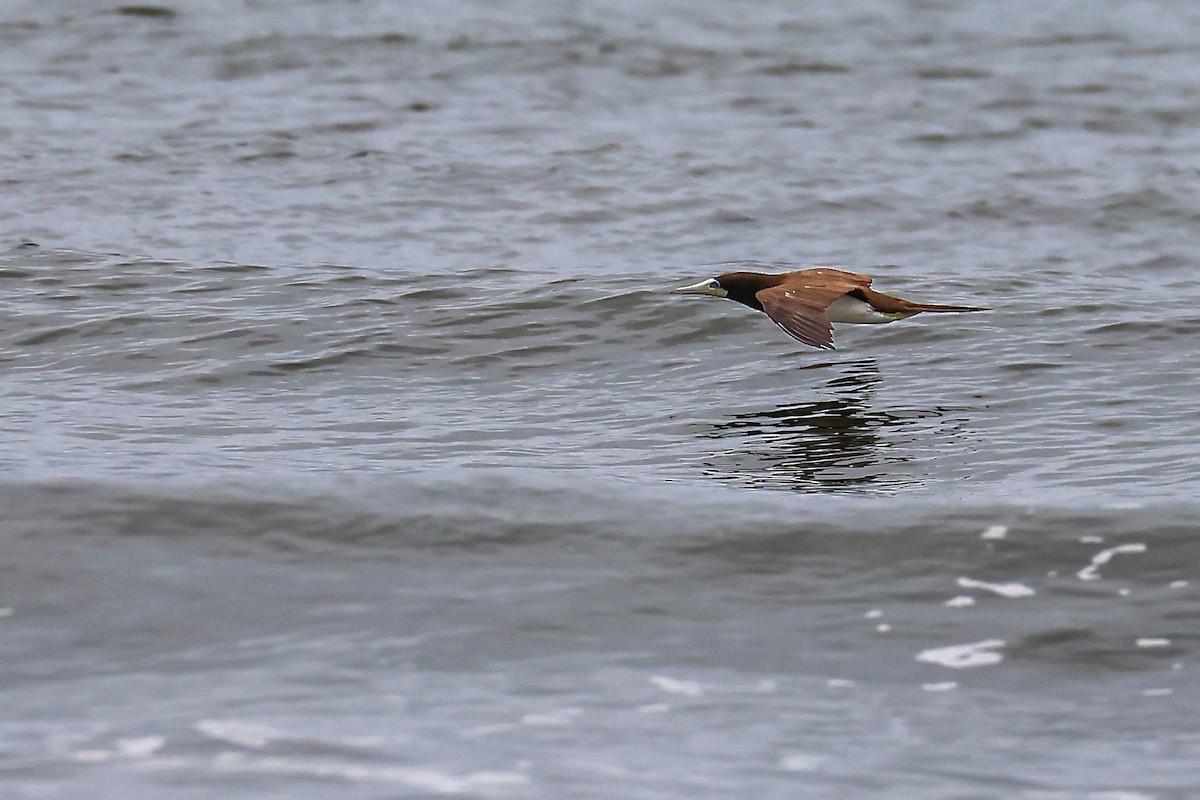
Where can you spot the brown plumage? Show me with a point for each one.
(807, 302)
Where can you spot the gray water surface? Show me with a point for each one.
(352, 445)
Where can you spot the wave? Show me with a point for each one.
(481, 508)
(222, 321)
(193, 368)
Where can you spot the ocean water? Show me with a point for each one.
(353, 445)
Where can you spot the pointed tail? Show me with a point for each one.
(918, 307)
(887, 304)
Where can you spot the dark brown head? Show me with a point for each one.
(739, 286)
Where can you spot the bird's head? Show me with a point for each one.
(739, 286)
(712, 287)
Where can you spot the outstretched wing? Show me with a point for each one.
(798, 305)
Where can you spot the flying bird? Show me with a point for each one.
(807, 302)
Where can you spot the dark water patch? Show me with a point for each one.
(1165, 262)
(139, 157)
(1155, 330)
(230, 333)
(47, 336)
(723, 216)
(847, 440)
(953, 74)
(966, 137)
(589, 216)
(607, 148)
(1130, 211)
(236, 268)
(1173, 118)
(323, 360)
(433, 295)
(1114, 121)
(260, 55)
(1030, 366)
(794, 67)
(115, 284)
(822, 446)
(1017, 208)
(1072, 39)
(272, 154)
(349, 126)
(1101, 650)
(148, 12)
(203, 288)
(1083, 88)
(396, 38)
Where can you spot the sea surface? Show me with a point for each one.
(352, 446)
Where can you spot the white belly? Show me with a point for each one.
(848, 309)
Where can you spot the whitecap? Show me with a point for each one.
(1010, 590)
(1091, 571)
(244, 734)
(673, 686)
(961, 656)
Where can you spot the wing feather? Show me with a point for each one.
(799, 306)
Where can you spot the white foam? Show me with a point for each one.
(554, 719)
(420, 778)
(1091, 571)
(883, 627)
(961, 656)
(1149, 642)
(673, 686)
(995, 532)
(243, 734)
(801, 762)
(140, 747)
(874, 613)
(490, 730)
(1010, 590)
(1178, 584)
(960, 601)
(944, 686)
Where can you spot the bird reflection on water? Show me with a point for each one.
(833, 444)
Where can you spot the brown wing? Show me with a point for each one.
(798, 304)
(798, 315)
(829, 276)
